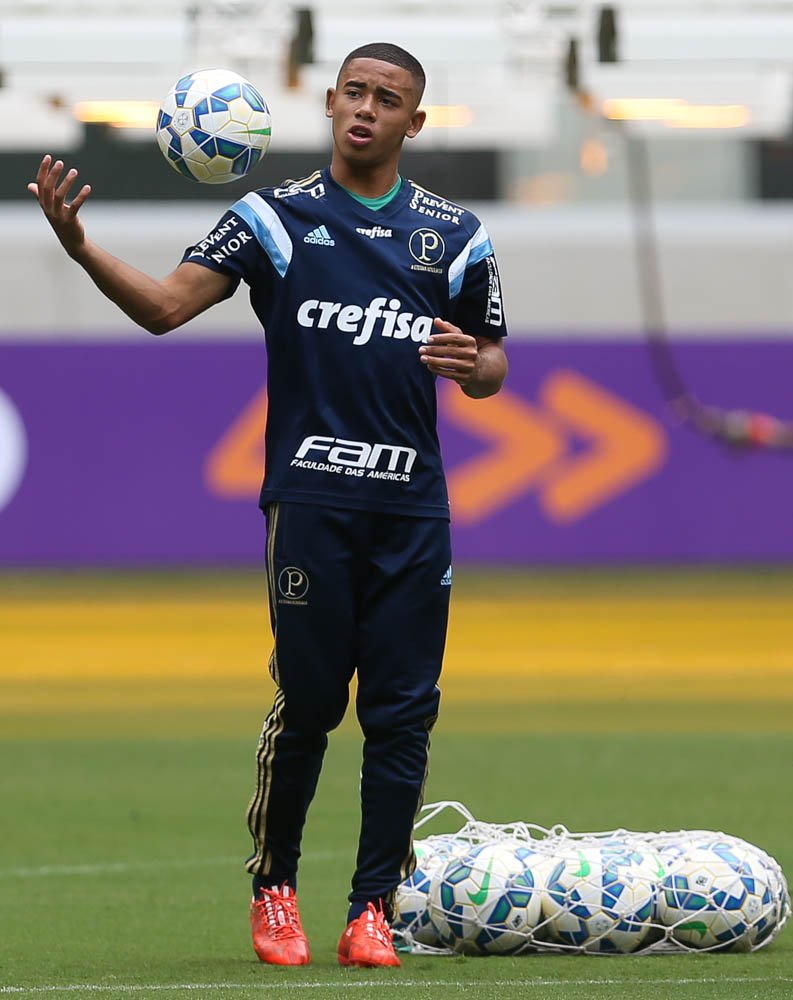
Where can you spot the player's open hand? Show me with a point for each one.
(450, 353)
(51, 189)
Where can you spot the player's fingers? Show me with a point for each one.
(447, 334)
(62, 189)
(456, 337)
(54, 174)
(438, 354)
(78, 200)
(62, 184)
(43, 187)
(54, 179)
(453, 376)
(44, 166)
(33, 188)
(48, 200)
(450, 356)
(460, 365)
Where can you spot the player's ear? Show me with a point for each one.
(416, 123)
(329, 98)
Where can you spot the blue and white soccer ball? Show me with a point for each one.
(721, 894)
(487, 901)
(603, 898)
(213, 126)
(411, 919)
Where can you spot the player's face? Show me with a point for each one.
(374, 108)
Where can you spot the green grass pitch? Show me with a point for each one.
(123, 823)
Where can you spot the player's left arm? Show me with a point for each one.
(477, 364)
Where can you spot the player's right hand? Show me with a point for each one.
(50, 190)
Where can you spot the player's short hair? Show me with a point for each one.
(390, 53)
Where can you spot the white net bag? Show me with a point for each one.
(514, 888)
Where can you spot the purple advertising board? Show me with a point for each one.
(151, 453)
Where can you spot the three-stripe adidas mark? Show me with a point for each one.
(320, 236)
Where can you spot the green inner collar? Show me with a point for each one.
(375, 204)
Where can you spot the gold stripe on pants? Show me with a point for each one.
(260, 861)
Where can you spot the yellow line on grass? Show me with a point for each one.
(161, 650)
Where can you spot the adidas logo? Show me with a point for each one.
(320, 236)
(446, 579)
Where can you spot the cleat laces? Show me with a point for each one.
(279, 908)
(376, 926)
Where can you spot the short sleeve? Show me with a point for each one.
(250, 244)
(475, 290)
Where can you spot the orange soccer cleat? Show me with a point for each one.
(278, 936)
(367, 942)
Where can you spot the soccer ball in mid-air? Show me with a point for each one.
(602, 899)
(213, 126)
(487, 901)
(719, 894)
(411, 919)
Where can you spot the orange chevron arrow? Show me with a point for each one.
(530, 448)
(627, 446)
(523, 443)
(235, 466)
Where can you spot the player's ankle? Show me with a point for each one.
(359, 906)
(269, 882)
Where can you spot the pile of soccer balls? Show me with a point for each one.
(509, 889)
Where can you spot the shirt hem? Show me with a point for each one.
(349, 503)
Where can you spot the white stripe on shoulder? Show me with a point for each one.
(476, 249)
(267, 228)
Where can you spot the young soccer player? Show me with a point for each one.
(368, 288)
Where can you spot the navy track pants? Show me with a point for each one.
(350, 591)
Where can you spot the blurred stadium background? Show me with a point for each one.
(623, 608)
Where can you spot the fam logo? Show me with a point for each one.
(293, 585)
(427, 247)
(353, 458)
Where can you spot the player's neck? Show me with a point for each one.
(367, 182)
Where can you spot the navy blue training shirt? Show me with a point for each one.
(346, 295)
